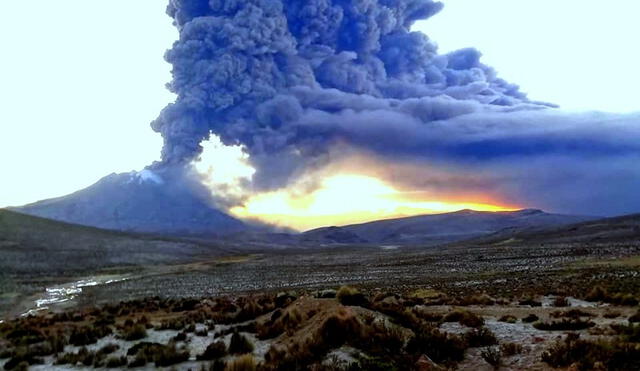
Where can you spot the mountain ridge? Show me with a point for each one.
(149, 201)
(432, 229)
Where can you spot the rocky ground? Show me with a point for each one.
(531, 307)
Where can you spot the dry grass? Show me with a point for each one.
(243, 363)
(465, 318)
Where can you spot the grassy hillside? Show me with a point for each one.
(610, 230)
(32, 246)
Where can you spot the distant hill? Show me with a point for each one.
(32, 246)
(438, 228)
(618, 229)
(149, 201)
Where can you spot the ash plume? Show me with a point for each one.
(290, 79)
(253, 71)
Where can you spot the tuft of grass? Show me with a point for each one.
(161, 355)
(492, 356)
(564, 325)
(465, 318)
(134, 332)
(572, 313)
(214, 351)
(480, 337)
(348, 295)
(482, 299)
(170, 355)
(86, 335)
(510, 349)
(439, 346)
(601, 294)
(530, 318)
(116, 362)
(243, 363)
(611, 314)
(634, 318)
(588, 355)
(240, 344)
(508, 318)
(560, 301)
(530, 302)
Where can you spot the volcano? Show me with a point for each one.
(157, 201)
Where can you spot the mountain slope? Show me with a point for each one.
(159, 202)
(439, 228)
(618, 229)
(34, 246)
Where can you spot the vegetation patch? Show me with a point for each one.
(465, 318)
(480, 337)
(566, 324)
(591, 355)
(348, 295)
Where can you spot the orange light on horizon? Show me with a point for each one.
(348, 199)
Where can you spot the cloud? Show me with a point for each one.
(291, 80)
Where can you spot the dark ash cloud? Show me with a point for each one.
(289, 80)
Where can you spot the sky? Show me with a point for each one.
(83, 80)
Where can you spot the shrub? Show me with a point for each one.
(169, 355)
(181, 336)
(483, 299)
(598, 293)
(629, 333)
(492, 356)
(510, 349)
(480, 337)
(24, 336)
(560, 301)
(135, 332)
(564, 325)
(108, 349)
(214, 351)
(438, 345)
(508, 318)
(530, 318)
(465, 318)
(530, 302)
(427, 316)
(240, 344)
(279, 323)
(635, 317)
(587, 354)
(162, 355)
(382, 338)
(138, 361)
(116, 362)
(573, 313)
(623, 299)
(611, 315)
(243, 363)
(338, 329)
(351, 296)
(176, 324)
(86, 335)
(218, 365)
(83, 356)
(21, 357)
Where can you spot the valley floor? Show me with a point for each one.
(532, 306)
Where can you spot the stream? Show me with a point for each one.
(66, 292)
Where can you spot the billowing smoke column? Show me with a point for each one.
(290, 79)
(260, 72)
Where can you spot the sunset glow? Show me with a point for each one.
(345, 199)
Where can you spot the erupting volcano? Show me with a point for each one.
(303, 88)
